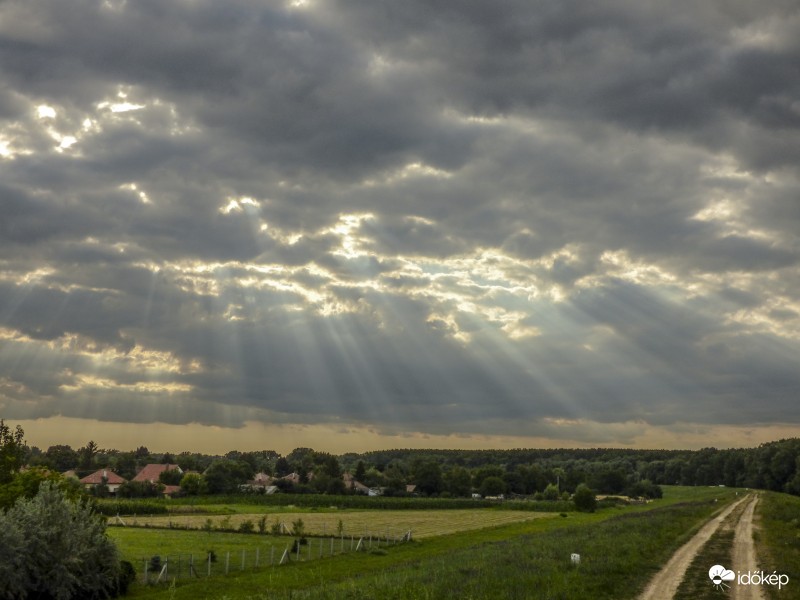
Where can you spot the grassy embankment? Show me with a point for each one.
(620, 548)
(777, 536)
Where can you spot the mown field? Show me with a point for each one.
(377, 523)
(620, 549)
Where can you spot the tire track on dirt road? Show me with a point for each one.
(665, 583)
(744, 554)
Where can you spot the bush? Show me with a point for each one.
(644, 489)
(276, 528)
(551, 492)
(246, 527)
(140, 489)
(584, 498)
(53, 548)
(127, 575)
(298, 528)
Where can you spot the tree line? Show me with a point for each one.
(454, 473)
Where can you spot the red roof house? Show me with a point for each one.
(152, 471)
(101, 476)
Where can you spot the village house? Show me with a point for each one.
(153, 471)
(261, 482)
(350, 483)
(103, 476)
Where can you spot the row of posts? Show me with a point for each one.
(193, 570)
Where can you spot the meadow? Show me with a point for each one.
(377, 523)
(778, 539)
(620, 549)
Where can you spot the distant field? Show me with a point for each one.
(422, 523)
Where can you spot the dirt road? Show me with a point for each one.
(744, 554)
(664, 585)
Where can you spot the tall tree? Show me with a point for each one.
(61, 458)
(12, 451)
(428, 477)
(87, 454)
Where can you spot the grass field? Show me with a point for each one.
(621, 548)
(778, 540)
(382, 523)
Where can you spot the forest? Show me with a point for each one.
(444, 473)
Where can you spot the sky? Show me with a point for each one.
(361, 224)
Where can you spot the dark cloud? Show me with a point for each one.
(486, 218)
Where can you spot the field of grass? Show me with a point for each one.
(380, 523)
(621, 548)
(777, 538)
(318, 502)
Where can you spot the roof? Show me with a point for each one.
(96, 478)
(152, 471)
(351, 483)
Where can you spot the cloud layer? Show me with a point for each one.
(551, 221)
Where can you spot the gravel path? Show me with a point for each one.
(664, 585)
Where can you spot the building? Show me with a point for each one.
(153, 471)
(103, 476)
(350, 483)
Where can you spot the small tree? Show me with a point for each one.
(551, 492)
(276, 528)
(170, 477)
(53, 548)
(193, 484)
(492, 486)
(246, 526)
(584, 498)
(298, 528)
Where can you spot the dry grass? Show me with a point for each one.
(422, 523)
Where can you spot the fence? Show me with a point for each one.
(163, 568)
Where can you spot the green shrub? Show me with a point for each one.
(246, 527)
(584, 498)
(127, 575)
(51, 547)
(298, 528)
(276, 528)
